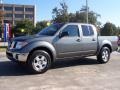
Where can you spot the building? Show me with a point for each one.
(14, 13)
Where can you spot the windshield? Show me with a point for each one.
(51, 30)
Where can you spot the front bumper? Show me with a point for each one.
(14, 56)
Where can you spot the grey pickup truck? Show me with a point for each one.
(60, 41)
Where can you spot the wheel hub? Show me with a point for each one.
(105, 55)
(40, 62)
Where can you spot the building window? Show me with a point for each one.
(19, 9)
(29, 16)
(0, 7)
(8, 15)
(29, 9)
(19, 16)
(7, 21)
(8, 8)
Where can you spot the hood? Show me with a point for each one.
(24, 38)
(32, 38)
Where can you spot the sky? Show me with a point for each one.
(108, 9)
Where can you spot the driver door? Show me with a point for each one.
(68, 45)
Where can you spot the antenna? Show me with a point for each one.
(1, 1)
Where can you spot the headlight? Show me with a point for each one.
(19, 45)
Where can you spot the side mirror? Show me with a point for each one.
(63, 34)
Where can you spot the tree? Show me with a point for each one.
(40, 25)
(1, 21)
(24, 27)
(109, 29)
(80, 16)
(118, 31)
(61, 15)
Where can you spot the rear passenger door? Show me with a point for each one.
(89, 40)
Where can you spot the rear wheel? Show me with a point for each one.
(39, 61)
(104, 55)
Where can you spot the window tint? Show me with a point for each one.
(91, 30)
(29, 9)
(19, 9)
(8, 15)
(51, 30)
(19, 16)
(72, 30)
(8, 8)
(29, 16)
(87, 30)
(8, 21)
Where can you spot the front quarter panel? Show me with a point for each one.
(31, 46)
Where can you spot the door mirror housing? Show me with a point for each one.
(63, 34)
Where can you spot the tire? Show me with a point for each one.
(104, 55)
(39, 62)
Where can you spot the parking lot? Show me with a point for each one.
(80, 74)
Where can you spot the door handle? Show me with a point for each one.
(78, 40)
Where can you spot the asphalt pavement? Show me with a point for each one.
(79, 74)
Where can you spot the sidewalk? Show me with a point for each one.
(2, 54)
(3, 43)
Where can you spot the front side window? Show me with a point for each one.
(72, 30)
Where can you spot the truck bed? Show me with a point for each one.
(112, 39)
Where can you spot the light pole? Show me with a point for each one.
(87, 11)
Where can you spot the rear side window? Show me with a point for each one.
(87, 30)
(72, 30)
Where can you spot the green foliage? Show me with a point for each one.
(118, 31)
(81, 17)
(61, 15)
(109, 29)
(39, 26)
(27, 25)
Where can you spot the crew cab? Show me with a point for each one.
(61, 41)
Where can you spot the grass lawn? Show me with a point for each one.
(3, 48)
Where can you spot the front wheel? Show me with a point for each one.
(39, 61)
(104, 55)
